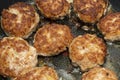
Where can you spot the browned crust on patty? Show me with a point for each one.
(19, 19)
(110, 26)
(53, 8)
(90, 10)
(99, 73)
(15, 55)
(14, 43)
(38, 73)
(52, 39)
(87, 51)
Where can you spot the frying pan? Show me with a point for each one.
(61, 62)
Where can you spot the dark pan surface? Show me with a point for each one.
(62, 62)
(115, 4)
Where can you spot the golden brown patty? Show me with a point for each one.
(15, 55)
(87, 51)
(90, 10)
(38, 73)
(99, 73)
(53, 8)
(52, 39)
(19, 20)
(110, 26)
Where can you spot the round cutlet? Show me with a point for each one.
(87, 51)
(19, 20)
(99, 73)
(52, 39)
(38, 73)
(53, 9)
(110, 26)
(16, 55)
(90, 11)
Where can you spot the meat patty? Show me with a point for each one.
(110, 26)
(19, 20)
(16, 55)
(52, 39)
(99, 73)
(38, 73)
(53, 9)
(87, 51)
(90, 11)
